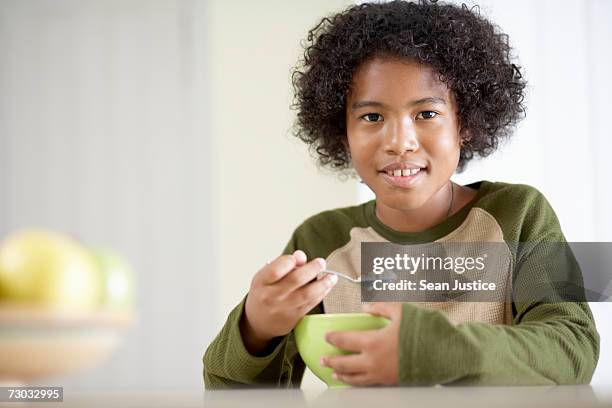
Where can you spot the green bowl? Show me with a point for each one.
(310, 338)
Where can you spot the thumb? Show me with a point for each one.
(384, 309)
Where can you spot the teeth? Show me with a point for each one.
(404, 172)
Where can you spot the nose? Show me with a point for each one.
(401, 138)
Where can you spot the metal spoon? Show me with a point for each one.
(350, 278)
(358, 280)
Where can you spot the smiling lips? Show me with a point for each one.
(403, 172)
(402, 175)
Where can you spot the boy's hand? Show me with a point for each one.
(377, 358)
(281, 294)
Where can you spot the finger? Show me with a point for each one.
(314, 291)
(357, 379)
(351, 363)
(391, 310)
(348, 340)
(302, 275)
(300, 257)
(307, 307)
(277, 269)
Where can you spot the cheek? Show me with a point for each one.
(362, 149)
(359, 159)
(444, 148)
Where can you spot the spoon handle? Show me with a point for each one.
(342, 275)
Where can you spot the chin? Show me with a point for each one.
(401, 200)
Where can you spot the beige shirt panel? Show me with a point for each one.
(479, 226)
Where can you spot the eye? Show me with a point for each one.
(370, 115)
(427, 115)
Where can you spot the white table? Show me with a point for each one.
(430, 397)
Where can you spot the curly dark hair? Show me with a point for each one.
(470, 54)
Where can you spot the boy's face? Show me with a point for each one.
(399, 115)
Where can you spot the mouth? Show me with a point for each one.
(403, 178)
(403, 172)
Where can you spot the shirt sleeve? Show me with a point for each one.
(228, 364)
(551, 341)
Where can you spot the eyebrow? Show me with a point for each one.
(432, 99)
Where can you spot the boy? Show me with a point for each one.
(405, 94)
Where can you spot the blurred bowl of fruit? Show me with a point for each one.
(63, 307)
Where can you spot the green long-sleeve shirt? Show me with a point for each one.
(527, 342)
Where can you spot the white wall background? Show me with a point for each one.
(103, 135)
(563, 145)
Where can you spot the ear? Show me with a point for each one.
(464, 136)
(346, 146)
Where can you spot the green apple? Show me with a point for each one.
(49, 269)
(117, 277)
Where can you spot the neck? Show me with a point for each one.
(434, 211)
